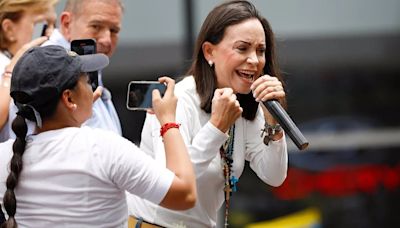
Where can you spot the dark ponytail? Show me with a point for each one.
(10, 202)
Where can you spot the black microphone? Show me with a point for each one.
(280, 115)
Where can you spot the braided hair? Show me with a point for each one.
(26, 106)
(10, 202)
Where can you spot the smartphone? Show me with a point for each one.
(85, 47)
(139, 96)
(39, 30)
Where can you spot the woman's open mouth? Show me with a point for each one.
(247, 75)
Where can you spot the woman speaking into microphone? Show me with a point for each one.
(222, 120)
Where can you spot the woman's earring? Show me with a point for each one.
(74, 107)
(211, 63)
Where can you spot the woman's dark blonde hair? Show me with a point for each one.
(14, 10)
(224, 15)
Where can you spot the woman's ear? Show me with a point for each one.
(208, 50)
(7, 26)
(67, 100)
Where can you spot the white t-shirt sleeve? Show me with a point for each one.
(131, 169)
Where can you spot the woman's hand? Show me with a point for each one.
(267, 88)
(165, 107)
(5, 90)
(36, 42)
(225, 109)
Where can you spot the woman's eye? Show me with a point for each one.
(261, 50)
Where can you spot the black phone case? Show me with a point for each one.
(84, 47)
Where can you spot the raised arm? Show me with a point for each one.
(182, 193)
(6, 79)
(4, 96)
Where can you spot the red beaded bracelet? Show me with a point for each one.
(168, 126)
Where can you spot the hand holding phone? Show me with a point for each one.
(85, 47)
(139, 95)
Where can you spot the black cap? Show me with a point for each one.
(44, 72)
